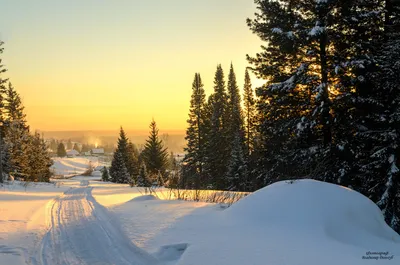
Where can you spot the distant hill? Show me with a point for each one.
(174, 140)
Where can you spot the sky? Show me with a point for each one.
(97, 64)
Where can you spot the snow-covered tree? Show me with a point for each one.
(119, 166)
(118, 171)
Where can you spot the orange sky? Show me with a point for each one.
(97, 65)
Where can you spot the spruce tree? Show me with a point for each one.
(119, 166)
(154, 155)
(378, 135)
(104, 174)
(217, 146)
(3, 81)
(118, 171)
(132, 161)
(39, 161)
(143, 178)
(195, 136)
(250, 114)
(236, 174)
(61, 152)
(17, 132)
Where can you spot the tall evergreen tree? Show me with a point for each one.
(118, 171)
(195, 136)
(331, 103)
(236, 174)
(132, 161)
(250, 114)
(154, 155)
(17, 132)
(119, 167)
(39, 161)
(216, 162)
(3, 81)
(378, 132)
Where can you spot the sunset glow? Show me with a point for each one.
(96, 65)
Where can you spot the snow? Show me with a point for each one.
(74, 166)
(316, 30)
(277, 30)
(303, 222)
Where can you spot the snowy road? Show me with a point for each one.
(81, 231)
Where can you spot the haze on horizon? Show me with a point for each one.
(96, 65)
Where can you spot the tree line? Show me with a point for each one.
(23, 154)
(146, 167)
(329, 109)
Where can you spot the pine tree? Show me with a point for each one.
(236, 175)
(143, 178)
(118, 171)
(16, 131)
(154, 155)
(216, 161)
(39, 161)
(195, 136)
(378, 135)
(132, 161)
(250, 114)
(104, 175)
(3, 81)
(14, 109)
(296, 106)
(119, 166)
(61, 152)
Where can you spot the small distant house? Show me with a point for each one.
(97, 151)
(88, 153)
(179, 157)
(72, 153)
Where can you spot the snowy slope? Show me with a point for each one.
(307, 222)
(74, 165)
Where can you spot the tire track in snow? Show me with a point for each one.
(83, 232)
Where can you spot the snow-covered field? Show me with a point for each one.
(84, 221)
(74, 165)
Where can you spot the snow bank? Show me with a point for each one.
(306, 222)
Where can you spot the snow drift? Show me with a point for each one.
(302, 222)
(339, 212)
